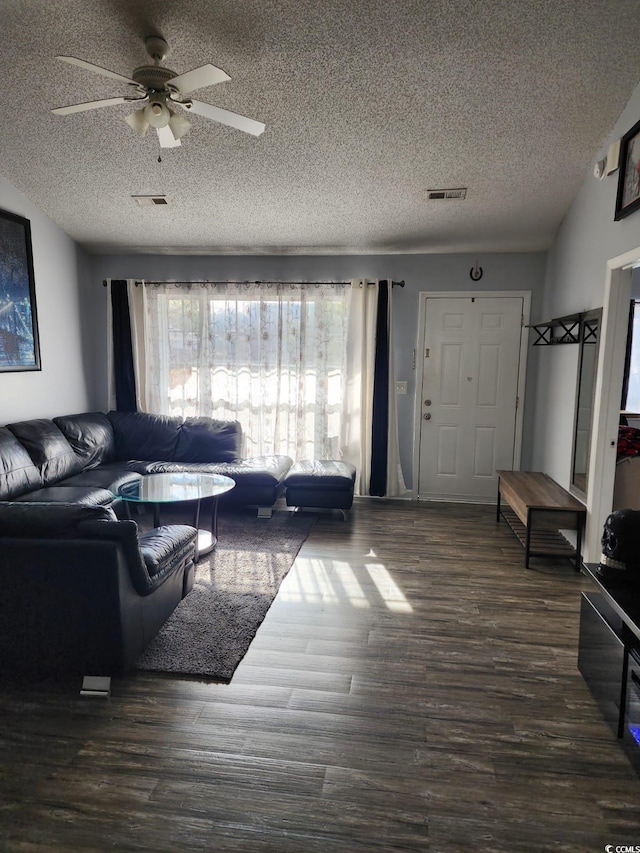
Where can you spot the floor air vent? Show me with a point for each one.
(442, 195)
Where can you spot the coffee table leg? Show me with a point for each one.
(214, 519)
(207, 539)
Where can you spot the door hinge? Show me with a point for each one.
(522, 321)
(427, 352)
(517, 403)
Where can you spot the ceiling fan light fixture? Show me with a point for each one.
(179, 125)
(157, 87)
(137, 122)
(157, 113)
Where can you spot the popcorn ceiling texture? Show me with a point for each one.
(367, 106)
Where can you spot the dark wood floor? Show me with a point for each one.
(413, 688)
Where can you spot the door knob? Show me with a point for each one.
(427, 416)
(427, 402)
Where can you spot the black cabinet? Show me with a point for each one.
(601, 656)
(609, 657)
(631, 733)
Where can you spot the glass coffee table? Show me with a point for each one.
(157, 489)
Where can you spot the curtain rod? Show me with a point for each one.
(314, 283)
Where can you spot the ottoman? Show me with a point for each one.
(321, 483)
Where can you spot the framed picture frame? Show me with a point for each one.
(628, 197)
(19, 341)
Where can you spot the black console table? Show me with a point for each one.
(609, 655)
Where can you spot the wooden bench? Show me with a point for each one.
(538, 508)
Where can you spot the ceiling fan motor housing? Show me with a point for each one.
(153, 78)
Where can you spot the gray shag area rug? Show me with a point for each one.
(211, 629)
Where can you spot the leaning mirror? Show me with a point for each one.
(583, 419)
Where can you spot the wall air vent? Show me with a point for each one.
(150, 200)
(442, 195)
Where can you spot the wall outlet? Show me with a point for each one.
(401, 387)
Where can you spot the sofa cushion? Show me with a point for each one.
(49, 449)
(90, 434)
(256, 471)
(80, 495)
(110, 478)
(208, 440)
(140, 435)
(18, 474)
(45, 520)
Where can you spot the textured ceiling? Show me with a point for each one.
(367, 106)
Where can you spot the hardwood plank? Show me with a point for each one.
(412, 688)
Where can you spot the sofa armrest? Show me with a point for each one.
(165, 547)
(151, 556)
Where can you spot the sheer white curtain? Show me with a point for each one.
(294, 363)
(271, 356)
(359, 386)
(395, 479)
(358, 400)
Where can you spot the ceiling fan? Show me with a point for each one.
(158, 88)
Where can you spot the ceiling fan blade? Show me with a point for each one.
(97, 69)
(206, 75)
(248, 125)
(93, 105)
(166, 137)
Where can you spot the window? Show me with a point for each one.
(271, 356)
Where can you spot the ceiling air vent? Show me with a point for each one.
(150, 200)
(442, 195)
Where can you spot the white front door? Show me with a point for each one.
(469, 395)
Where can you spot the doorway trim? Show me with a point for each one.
(525, 295)
(602, 459)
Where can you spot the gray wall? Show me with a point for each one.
(420, 273)
(65, 323)
(574, 281)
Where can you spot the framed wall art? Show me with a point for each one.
(19, 344)
(628, 198)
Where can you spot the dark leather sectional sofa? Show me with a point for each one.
(83, 590)
(82, 458)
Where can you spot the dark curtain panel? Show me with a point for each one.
(380, 426)
(125, 383)
(627, 361)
